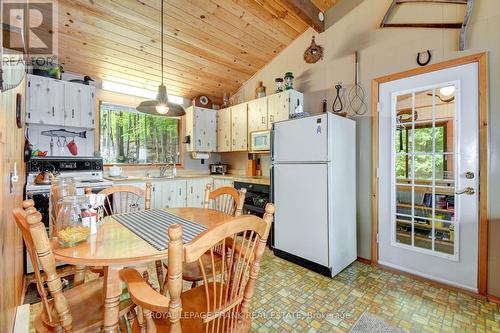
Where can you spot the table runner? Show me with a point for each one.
(152, 226)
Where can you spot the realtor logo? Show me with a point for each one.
(30, 27)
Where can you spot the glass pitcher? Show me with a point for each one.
(70, 226)
(60, 188)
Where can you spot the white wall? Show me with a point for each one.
(385, 51)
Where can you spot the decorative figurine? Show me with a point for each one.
(279, 84)
(260, 91)
(289, 80)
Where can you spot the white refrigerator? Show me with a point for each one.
(313, 180)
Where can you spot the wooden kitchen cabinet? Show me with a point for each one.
(281, 105)
(45, 101)
(196, 191)
(257, 115)
(79, 106)
(60, 103)
(239, 132)
(201, 129)
(224, 130)
(168, 194)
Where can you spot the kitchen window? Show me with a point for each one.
(130, 137)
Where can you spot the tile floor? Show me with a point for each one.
(290, 298)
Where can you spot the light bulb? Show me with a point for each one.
(162, 108)
(447, 91)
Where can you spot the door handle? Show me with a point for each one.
(467, 190)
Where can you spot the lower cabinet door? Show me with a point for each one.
(169, 194)
(196, 191)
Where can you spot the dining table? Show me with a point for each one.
(114, 247)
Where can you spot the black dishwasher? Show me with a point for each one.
(256, 199)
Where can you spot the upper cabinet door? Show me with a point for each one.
(45, 101)
(74, 95)
(201, 128)
(224, 130)
(88, 111)
(257, 115)
(209, 138)
(278, 107)
(239, 127)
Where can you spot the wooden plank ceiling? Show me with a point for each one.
(211, 46)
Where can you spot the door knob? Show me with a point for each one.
(467, 190)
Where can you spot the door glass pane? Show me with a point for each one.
(404, 109)
(403, 229)
(444, 237)
(424, 146)
(423, 233)
(445, 204)
(404, 200)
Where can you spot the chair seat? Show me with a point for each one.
(194, 305)
(86, 303)
(192, 271)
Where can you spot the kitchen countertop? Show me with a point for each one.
(262, 180)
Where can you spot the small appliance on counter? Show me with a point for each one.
(218, 168)
(115, 171)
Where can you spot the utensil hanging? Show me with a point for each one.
(357, 94)
(338, 106)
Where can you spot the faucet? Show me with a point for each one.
(163, 170)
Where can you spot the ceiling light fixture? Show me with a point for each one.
(161, 105)
(447, 91)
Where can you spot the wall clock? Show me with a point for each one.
(203, 102)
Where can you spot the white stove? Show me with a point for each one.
(94, 180)
(87, 172)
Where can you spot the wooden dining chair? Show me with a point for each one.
(225, 199)
(80, 309)
(222, 302)
(122, 199)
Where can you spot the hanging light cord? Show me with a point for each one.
(162, 42)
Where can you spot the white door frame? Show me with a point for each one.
(481, 60)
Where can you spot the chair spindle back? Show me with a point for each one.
(126, 199)
(225, 199)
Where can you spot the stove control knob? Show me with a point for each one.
(87, 164)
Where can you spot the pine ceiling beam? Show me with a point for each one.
(308, 12)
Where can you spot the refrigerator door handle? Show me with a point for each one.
(272, 143)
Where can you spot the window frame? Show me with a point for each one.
(97, 141)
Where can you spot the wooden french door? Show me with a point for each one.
(428, 175)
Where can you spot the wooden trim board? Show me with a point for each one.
(482, 60)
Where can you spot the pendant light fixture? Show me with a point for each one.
(161, 106)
